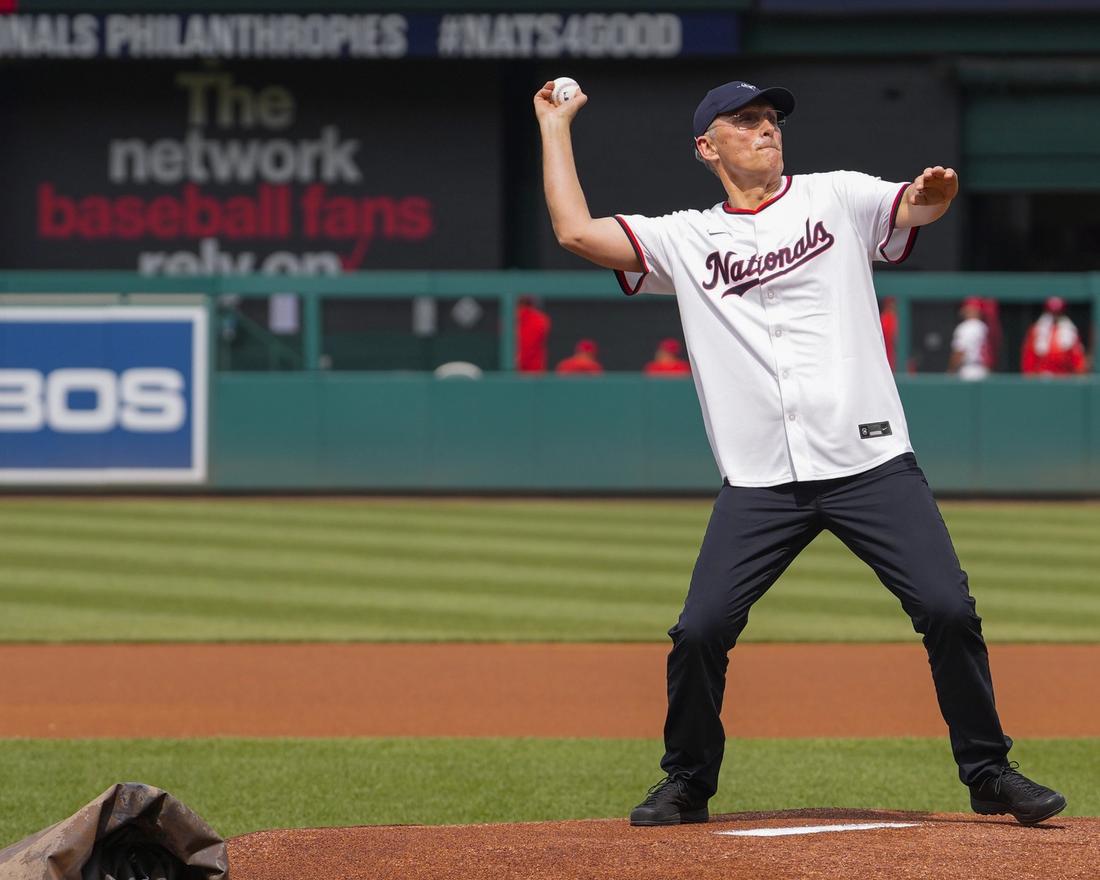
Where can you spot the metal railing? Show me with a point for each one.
(508, 285)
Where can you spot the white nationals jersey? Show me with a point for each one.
(969, 340)
(782, 325)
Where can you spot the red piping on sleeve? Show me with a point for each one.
(913, 230)
(619, 274)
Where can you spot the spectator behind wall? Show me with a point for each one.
(969, 343)
(889, 318)
(991, 314)
(667, 361)
(1052, 346)
(583, 361)
(532, 336)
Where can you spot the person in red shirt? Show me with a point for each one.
(890, 329)
(583, 360)
(1052, 346)
(667, 361)
(532, 336)
(991, 314)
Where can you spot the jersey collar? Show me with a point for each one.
(782, 192)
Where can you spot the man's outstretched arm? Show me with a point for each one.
(601, 241)
(928, 197)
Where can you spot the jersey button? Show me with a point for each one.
(791, 417)
(771, 294)
(786, 374)
(778, 331)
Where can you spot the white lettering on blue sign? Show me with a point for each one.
(550, 35)
(139, 399)
(103, 395)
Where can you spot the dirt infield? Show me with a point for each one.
(939, 846)
(532, 690)
(511, 690)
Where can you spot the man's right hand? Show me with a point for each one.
(601, 241)
(546, 109)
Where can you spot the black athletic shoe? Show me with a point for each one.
(1009, 791)
(669, 803)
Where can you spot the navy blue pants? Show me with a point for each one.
(889, 519)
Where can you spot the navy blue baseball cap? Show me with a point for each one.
(729, 97)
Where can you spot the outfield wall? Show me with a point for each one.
(309, 428)
(318, 431)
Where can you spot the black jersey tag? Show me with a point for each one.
(874, 429)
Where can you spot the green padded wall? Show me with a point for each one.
(352, 432)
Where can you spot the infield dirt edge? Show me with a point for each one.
(939, 846)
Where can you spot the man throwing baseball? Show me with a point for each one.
(779, 313)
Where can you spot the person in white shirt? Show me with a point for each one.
(969, 342)
(779, 314)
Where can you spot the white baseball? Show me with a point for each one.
(565, 87)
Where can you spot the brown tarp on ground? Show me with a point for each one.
(132, 830)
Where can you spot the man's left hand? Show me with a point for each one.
(936, 186)
(928, 197)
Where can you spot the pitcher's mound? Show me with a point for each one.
(831, 844)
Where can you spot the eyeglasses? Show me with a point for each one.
(749, 120)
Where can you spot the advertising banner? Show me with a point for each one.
(370, 36)
(103, 395)
(274, 168)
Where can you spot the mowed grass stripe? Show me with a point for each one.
(421, 591)
(128, 586)
(1025, 529)
(1068, 512)
(43, 612)
(390, 540)
(1078, 561)
(785, 613)
(61, 619)
(472, 569)
(1038, 517)
(319, 603)
(521, 550)
(261, 563)
(531, 548)
(474, 521)
(410, 565)
(502, 570)
(619, 515)
(1009, 538)
(501, 582)
(136, 625)
(1031, 529)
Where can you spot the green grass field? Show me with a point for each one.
(486, 570)
(247, 785)
(85, 569)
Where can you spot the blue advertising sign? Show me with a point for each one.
(103, 395)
